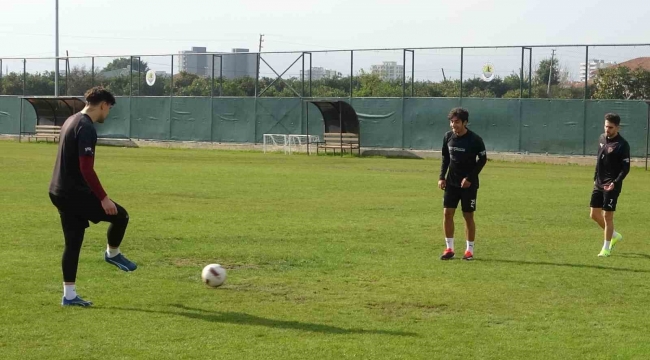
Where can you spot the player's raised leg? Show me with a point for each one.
(115, 235)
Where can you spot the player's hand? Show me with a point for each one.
(465, 183)
(109, 206)
(442, 184)
(609, 187)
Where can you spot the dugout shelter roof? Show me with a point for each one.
(338, 116)
(54, 110)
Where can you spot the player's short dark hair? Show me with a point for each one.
(613, 118)
(97, 95)
(459, 113)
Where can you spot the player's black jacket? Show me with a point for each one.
(78, 138)
(613, 163)
(459, 155)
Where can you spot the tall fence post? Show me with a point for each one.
(306, 104)
(220, 75)
(311, 95)
(521, 75)
(20, 130)
(586, 92)
(412, 95)
(586, 97)
(139, 73)
(257, 79)
(257, 72)
(67, 73)
(647, 137)
(413, 73)
(521, 123)
(131, 79)
(24, 77)
(403, 93)
(92, 72)
(130, 132)
(171, 101)
(130, 96)
(403, 73)
(462, 54)
(212, 100)
(212, 77)
(521, 94)
(302, 94)
(351, 75)
(530, 73)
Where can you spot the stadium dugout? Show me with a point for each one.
(51, 113)
(341, 126)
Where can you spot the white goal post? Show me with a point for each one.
(276, 142)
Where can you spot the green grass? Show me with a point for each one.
(327, 258)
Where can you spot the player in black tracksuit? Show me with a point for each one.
(463, 158)
(78, 195)
(612, 167)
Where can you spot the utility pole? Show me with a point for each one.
(550, 74)
(259, 54)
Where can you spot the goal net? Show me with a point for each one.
(276, 143)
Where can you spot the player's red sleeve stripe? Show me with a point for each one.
(86, 165)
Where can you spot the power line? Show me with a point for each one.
(25, 55)
(127, 38)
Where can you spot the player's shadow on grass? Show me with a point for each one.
(584, 266)
(252, 320)
(635, 256)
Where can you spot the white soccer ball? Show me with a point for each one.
(213, 275)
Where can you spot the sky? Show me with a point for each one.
(121, 27)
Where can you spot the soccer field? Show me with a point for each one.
(327, 258)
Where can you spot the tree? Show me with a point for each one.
(11, 84)
(428, 89)
(542, 72)
(123, 63)
(482, 88)
(621, 82)
(371, 85)
(327, 91)
(481, 93)
(514, 94)
(79, 80)
(118, 85)
(182, 80)
(41, 84)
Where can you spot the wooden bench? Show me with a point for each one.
(47, 132)
(334, 141)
